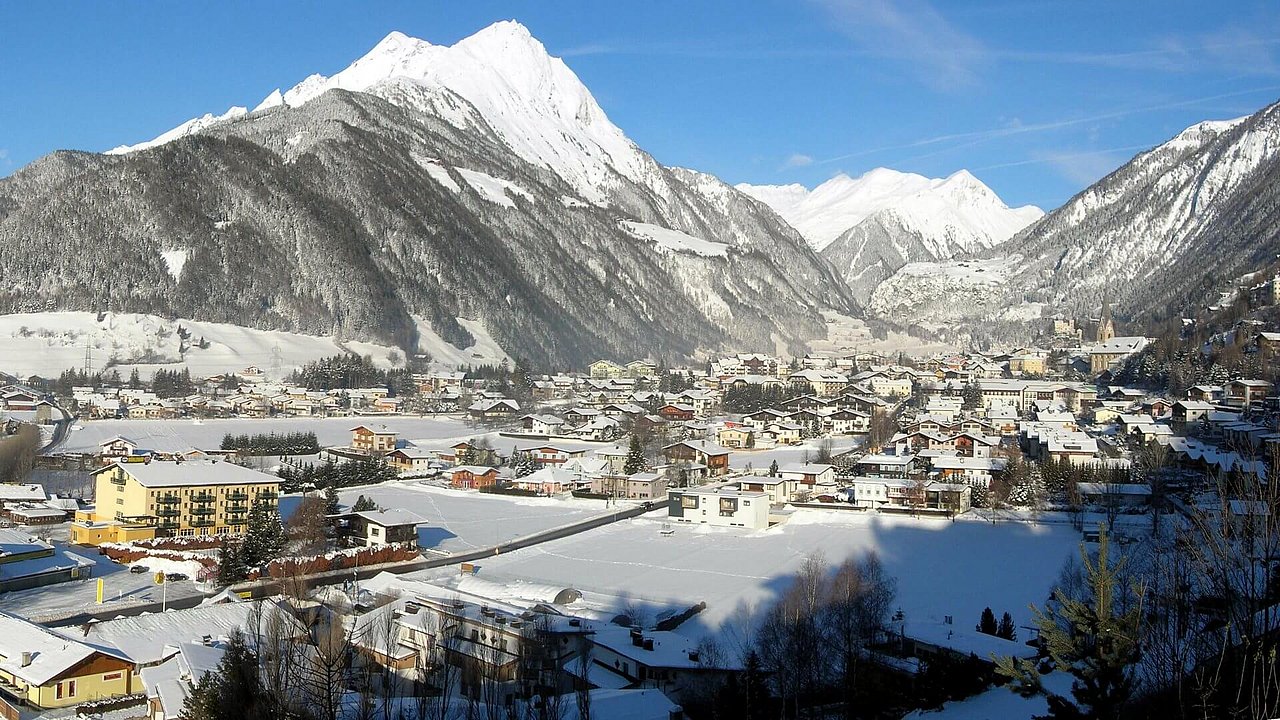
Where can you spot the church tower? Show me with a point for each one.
(1106, 325)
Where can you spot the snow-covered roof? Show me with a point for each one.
(50, 653)
(157, 474)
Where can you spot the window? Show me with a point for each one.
(375, 532)
(112, 676)
(71, 688)
(689, 502)
(119, 501)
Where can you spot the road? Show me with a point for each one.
(260, 589)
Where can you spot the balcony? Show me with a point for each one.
(118, 480)
(168, 499)
(201, 523)
(236, 519)
(268, 495)
(237, 496)
(168, 525)
(203, 497)
(167, 512)
(237, 508)
(202, 511)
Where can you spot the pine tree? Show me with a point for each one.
(988, 624)
(363, 504)
(635, 458)
(773, 469)
(1006, 629)
(231, 567)
(233, 690)
(331, 506)
(1090, 638)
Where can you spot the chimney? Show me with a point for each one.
(26, 659)
(648, 644)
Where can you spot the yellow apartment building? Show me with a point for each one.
(137, 500)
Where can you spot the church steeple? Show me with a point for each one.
(1106, 325)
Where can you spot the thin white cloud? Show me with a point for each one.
(911, 31)
(1026, 128)
(1086, 166)
(796, 160)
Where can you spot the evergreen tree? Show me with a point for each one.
(773, 469)
(971, 397)
(988, 624)
(1089, 637)
(635, 457)
(1006, 629)
(231, 567)
(363, 504)
(331, 506)
(233, 690)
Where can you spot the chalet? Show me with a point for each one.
(541, 424)
(473, 477)
(1188, 411)
(1075, 448)
(549, 480)
(951, 498)
(552, 454)
(779, 489)
(701, 400)
(369, 528)
(1268, 343)
(974, 445)
(621, 411)
(18, 400)
(410, 460)
(846, 422)
(602, 428)
(783, 433)
(118, 448)
(1243, 393)
(1206, 393)
(875, 493)
(45, 670)
(809, 475)
(951, 468)
(580, 416)
(373, 441)
(808, 402)
(493, 409)
(713, 456)
(674, 412)
(888, 466)
(736, 436)
(761, 419)
(653, 424)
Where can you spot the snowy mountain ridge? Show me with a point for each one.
(958, 210)
(1155, 237)
(534, 101)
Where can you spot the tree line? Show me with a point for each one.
(293, 443)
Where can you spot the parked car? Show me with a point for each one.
(138, 569)
(175, 577)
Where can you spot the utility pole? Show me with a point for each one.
(88, 357)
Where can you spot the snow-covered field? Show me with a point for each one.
(462, 520)
(175, 435)
(48, 343)
(942, 567)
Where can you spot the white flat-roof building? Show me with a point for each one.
(717, 506)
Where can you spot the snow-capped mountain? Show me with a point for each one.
(1162, 233)
(870, 226)
(422, 195)
(532, 100)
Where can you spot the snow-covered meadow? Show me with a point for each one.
(175, 435)
(460, 520)
(943, 567)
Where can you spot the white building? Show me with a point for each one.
(717, 506)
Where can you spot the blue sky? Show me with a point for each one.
(1038, 99)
